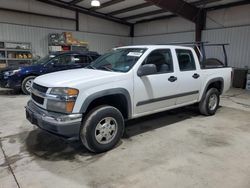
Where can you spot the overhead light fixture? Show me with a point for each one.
(95, 3)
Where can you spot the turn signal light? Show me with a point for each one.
(70, 106)
(72, 91)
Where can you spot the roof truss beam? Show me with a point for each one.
(73, 2)
(179, 7)
(83, 10)
(199, 3)
(128, 9)
(145, 14)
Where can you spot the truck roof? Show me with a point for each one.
(158, 46)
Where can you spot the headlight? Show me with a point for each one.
(10, 73)
(64, 99)
(64, 91)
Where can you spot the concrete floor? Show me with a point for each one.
(179, 148)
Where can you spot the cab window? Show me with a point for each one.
(185, 59)
(162, 59)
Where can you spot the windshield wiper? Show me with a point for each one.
(106, 68)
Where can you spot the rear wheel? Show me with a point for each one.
(26, 84)
(102, 129)
(209, 104)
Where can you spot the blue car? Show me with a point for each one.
(22, 78)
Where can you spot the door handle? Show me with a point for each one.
(195, 76)
(172, 78)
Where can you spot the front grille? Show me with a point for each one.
(37, 99)
(39, 88)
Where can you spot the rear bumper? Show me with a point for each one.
(67, 126)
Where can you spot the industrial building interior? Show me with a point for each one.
(175, 147)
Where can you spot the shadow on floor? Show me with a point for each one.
(155, 121)
(49, 147)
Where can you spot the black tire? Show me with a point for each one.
(24, 84)
(89, 128)
(204, 106)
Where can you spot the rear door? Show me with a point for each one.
(189, 80)
(156, 92)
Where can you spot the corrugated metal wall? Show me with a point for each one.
(239, 49)
(231, 25)
(36, 7)
(164, 39)
(39, 38)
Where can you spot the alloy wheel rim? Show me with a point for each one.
(28, 85)
(212, 103)
(106, 130)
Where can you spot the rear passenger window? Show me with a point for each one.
(185, 59)
(162, 59)
(82, 59)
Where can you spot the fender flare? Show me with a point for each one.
(108, 92)
(211, 81)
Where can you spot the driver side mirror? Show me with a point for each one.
(147, 69)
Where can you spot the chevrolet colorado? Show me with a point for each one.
(91, 104)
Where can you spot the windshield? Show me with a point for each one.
(44, 60)
(119, 60)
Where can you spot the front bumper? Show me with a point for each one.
(67, 126)
(3, 81)
(9, 82)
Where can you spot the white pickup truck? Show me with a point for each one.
(91, 104)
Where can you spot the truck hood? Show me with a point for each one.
(73, 78)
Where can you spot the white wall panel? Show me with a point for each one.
(103, 43)
(164, 26)
(34, 20)
(39, 38)
(235, 16)
(36, 7)
(93, 24)
(164, 39)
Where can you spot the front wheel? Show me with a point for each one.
(26, 84)
(102, 129)
(209, 104)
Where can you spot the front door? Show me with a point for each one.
(156, 92)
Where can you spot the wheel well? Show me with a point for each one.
(118, 101)
(216, 84)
